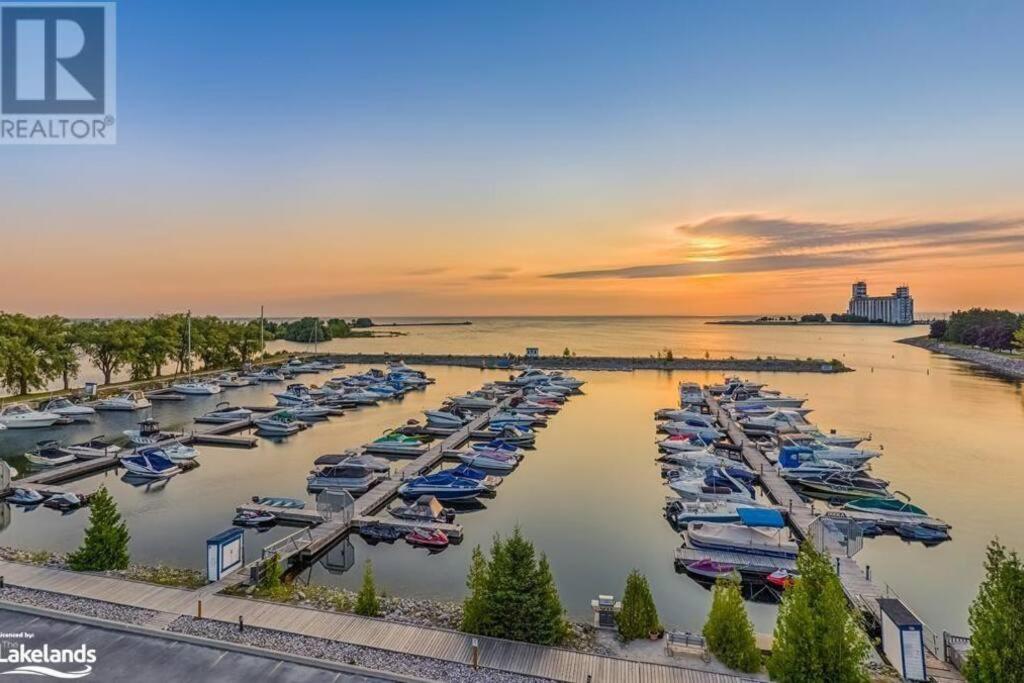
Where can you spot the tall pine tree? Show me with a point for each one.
(475, 607)
(367, 603)
(817, 637)
(728, 631)
(106, 539)
(639, 616)
(997, 620)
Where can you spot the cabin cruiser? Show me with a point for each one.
(299, 367)
(344, 477)
(679, 443)
(93, 448)
(690, 394)
(474, 401)
(352, 458)
(707, 434)
(309, 411)
(699, 460)
(197, 388)
(360, 397)
(673, 414)
(513, 436)
(49, 454)
(20, 416)
(126, 400)
(268, 375)
(231, 380)
(466, 472)
(65, 408)
(150, 464)
(149, 433)
(716, 484)
(695, 420)
(735, 384)
(26, 497)
(839, 485)
(443, 486)
(396, 443)
(530, 377)
(497, 460)
(506, 419)
(853, 457)
(278, 424)
(893, 508)
(795, 424)
(424, 509)
(225, 413)
(293, 395)
(681, 513)
(447, 419)
(761, 531)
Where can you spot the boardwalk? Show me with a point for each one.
(860, 591)
(522, 658)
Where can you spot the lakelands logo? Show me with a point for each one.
(57, 73)
(64, 663)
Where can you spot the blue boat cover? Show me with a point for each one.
(761, 517)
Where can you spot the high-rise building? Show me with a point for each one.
(895, 309)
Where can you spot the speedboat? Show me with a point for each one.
(49, 454)
(889, 508)
(295, 394)
(474, 402)
(673, 414)
(713, 485)
(506, 419)
(465, 471)
(423, 509)
(231, 380)
(446, 419)
(268, 375)
(278, 424)
(197, 388)
(149, 433)
(683, 429)
(443, 486)
(176, 452)
(684, 418)
(497, 460)
(434, 538)
(25, 497)
(20, 416)
(225, 413)
(353, 478)
(65, 408)
(782, 578)
(793, 423)
(93, 448)
(839, 485)
(352, 458)
(511, 435)
(65, 502)
(853, 457)
(701, 460)
(309, 411)
(150, 464)
(760, 532)
(396, 443)
(254, 518)
(126, 400)
(682, 513)
(678, 443)
(708, 569)
(690, 394)
(919, 532)
(380, 531)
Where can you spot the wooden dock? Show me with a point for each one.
(861, 592)
(502, 655)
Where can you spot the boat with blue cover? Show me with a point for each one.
(760, 532)
(489, 480)
(150, 463)
(443, 486)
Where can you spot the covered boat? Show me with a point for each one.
(49, 454)
(150, 463)
(444, 486)
(423, 509)
(759, 533)
(346, 477)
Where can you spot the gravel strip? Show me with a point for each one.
(319, 648)
(84, 606)
(999, 363)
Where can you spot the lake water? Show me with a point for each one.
(590, 495)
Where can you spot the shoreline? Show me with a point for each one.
(611, 363)
(1001, 364)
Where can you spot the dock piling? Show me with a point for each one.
(476, 653)
(199, 609)
(241, 624)
(867, 572)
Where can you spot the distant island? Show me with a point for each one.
(363, 323)
(811, 319)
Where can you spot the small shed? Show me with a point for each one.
(903, 639)
(225, 553)
(532, 352)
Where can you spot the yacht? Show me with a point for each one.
(694, 420)
(126, 400)
(151, 464)
(531, 377)
(448, 419)
(225, 413)
(443, 486)
(65, 408)
(761, 532)
(197, 388)
(20, 416)
(93, 448)
(231, 380)
(49, 454)
(278, 424)
(346, 477)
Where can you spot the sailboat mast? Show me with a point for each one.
(188, 325)
(261, 331)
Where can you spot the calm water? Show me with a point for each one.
(590, 495)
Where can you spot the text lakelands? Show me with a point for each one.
(47, 655)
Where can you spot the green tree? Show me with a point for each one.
(997, 620)
(367, 602)
(513, 594)
(817, 637)
(639, 616)
(159, 340)
(59, 339)
(106, 539)
(728, 631)
(1018, 337)
(110, 345)
(26, 353)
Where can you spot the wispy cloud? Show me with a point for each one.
(752, 243)
(433, 270)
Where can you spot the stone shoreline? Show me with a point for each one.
(612, 363)
(999, 363)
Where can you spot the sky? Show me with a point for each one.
(517, 158)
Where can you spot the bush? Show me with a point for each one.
(639, 616)
(985, 327)
(367, 603)
(106, 539)
(997, 620)
(728, 631)
(817, 637)
(937, 330)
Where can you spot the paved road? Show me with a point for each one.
(123, 657)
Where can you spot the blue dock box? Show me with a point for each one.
(903, 639)
(225, 553)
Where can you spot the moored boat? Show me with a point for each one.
(434, 538)
(49, 454)
(150, 463)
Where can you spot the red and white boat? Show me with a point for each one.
(433, 538)
(781, 578)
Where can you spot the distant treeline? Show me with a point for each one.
(988, 328)
(312, 330)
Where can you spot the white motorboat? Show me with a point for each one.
(690, 394)
(496, 460)
(674, 414)
(695, 420)
(20, 416)
(682, 513)
(505, 418)
(196, 388)
(309, 411)
(531, 377)
(474, 401)
(65, 408)
(294, 395)
(396, 443)
(150, 463)
(231, 380)
(268, 375)
(704, 459)
(49, 454)
(853, 457)
(726, 488)
(179, 452)
(684, 429)
(93, 448)
(770, 400)
(682, 444)
(225, 412)
(345, 477)
(445, 419)
(126, 400)
(149, 433)
(761, 531)
(278, 424)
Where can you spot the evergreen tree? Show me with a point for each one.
(513, 594)
(367, 603)
(817, 637)
(728, 631)
(639, 616)
(106, 539)
(997, 620)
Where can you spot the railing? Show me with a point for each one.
(955, 649)
(293, 542)
(932, 640)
